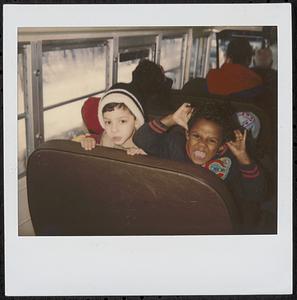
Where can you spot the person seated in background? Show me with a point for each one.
(263, 62)
(119, 114)
(207, 143)
(234, 77)
(151, 86)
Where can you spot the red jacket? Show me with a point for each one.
(231, 79)
(89, 113)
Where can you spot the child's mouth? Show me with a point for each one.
(199, 155)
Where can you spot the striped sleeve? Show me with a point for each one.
(249, 171)
(157, 126)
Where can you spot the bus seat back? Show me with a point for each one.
(106, 192)
(195, 87)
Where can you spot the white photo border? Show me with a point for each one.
(148, 265)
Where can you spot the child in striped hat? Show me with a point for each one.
(120, 114)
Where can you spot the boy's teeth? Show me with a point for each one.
(199, 154)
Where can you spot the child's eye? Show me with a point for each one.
(196, 136)
(213, 141)
(123, 121)
(107, 122)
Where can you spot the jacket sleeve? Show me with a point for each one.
(248, 183)
(158, 140)
(253, 183)
(248, 186)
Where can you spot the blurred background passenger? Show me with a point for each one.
(263, 58)
(234, 77)
(151, 85)
(263, 67)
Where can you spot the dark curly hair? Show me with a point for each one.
(111, 107)
(240, 51)
(219, 113)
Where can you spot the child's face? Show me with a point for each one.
(203, 141)
(119, 125)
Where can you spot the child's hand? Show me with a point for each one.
(238, 148)
(135, 151)
(88, 143)
(182, 115)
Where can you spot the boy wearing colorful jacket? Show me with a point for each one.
(206, 143)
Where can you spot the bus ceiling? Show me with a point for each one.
(27, 34)
(267, 33)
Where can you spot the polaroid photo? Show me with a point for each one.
(148, 149)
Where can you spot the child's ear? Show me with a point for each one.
(136, 124)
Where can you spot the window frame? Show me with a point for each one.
(114, 43)
(33, 88)
(182, 64)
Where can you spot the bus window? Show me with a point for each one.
(172, 59)
(132, 49)
(54, 124)
(69, 76)
(212, 62)
(194, 59)
(202, 56)
(223, 44)
(71, 73)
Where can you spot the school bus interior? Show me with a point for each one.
(65, 190)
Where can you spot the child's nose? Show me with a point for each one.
(114, 128)
(202, 143)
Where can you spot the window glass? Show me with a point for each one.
(21, 146)
(20, 83)
(72, 73)
(223, 44)
(125, 70)
(256, 45)
(60, 122)
(170, 59)
(213, 53)
(193, 58)
(65, 121)
(197, 57)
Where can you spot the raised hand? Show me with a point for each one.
(182, 115)
(238, 147)
(88, 143)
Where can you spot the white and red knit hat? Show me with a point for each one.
(121, 96)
